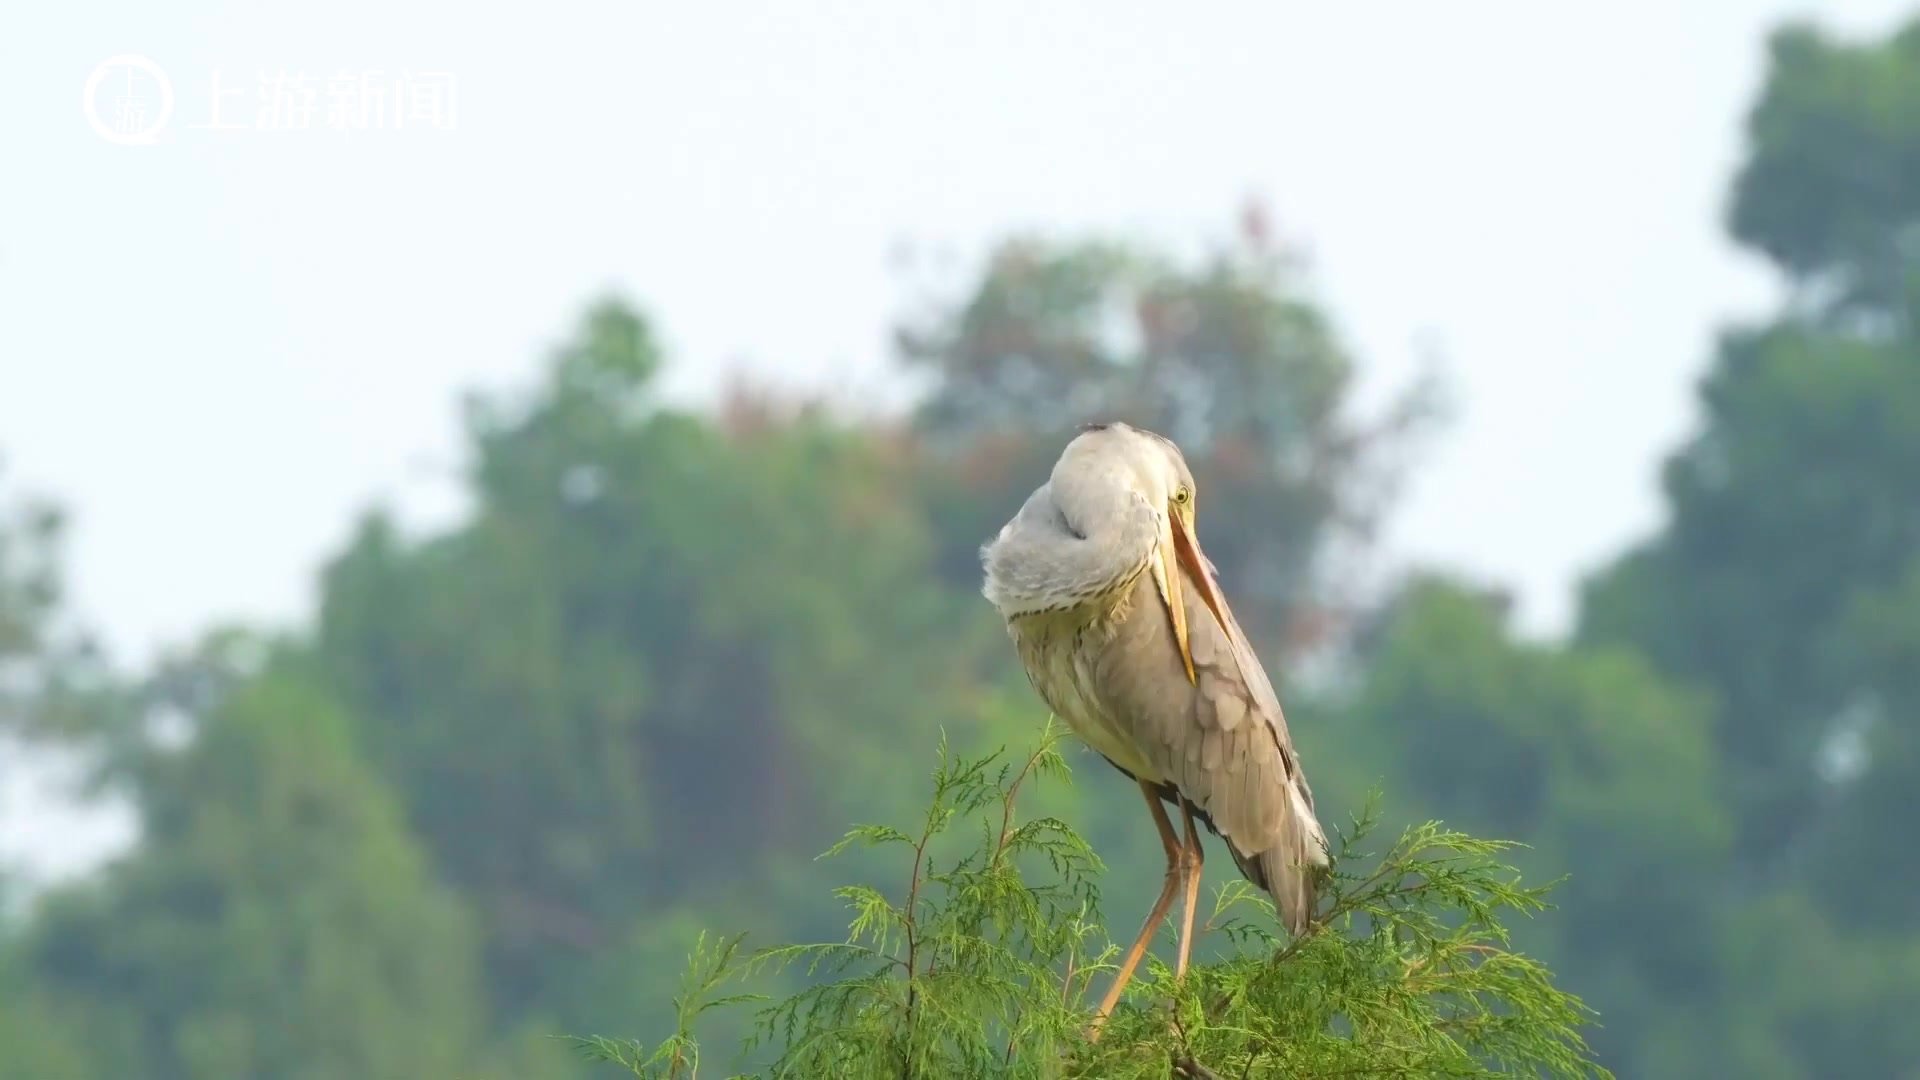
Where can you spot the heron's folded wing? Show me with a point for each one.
(1221, 740)
(1043, 561)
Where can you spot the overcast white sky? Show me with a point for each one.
(217, 348)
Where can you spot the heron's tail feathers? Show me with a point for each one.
(1290, 870)
(1292, 881)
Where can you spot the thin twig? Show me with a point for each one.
(910, 918)
(1185, 1066)
(1006, 802)
(999, 849)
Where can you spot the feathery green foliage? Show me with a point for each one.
(985, 962)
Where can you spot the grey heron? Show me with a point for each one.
(1118, 619)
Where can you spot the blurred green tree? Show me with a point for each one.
(35, 1040)
(1864, 866)
(1783, 582)
(1804, 995)
(276, 921)
(648, 671)
(1797, 496)
(1599, 765)
(1829, 189)
(53, 684)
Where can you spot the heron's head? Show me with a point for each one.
(1152, 467)
(1144, 463)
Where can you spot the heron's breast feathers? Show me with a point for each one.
(1060, 650)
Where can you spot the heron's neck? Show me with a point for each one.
(1104, 606)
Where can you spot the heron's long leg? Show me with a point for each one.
(1192, 858)
(1171, 844)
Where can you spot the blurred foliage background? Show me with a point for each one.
(510, 770)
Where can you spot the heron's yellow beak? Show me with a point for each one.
(1180, 551)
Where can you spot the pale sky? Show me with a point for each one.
(217, 348)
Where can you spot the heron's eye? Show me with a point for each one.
(1183, 495)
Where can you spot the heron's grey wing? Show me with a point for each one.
(1266, 702)
(1221, 740)
(1042, 560)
